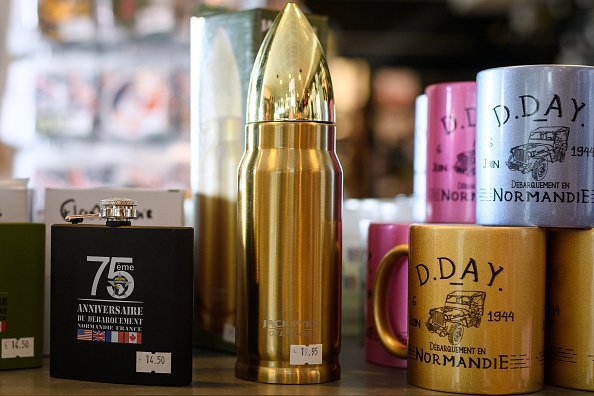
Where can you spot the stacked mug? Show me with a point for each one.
(444, 193)
(535, 151)
(476, 293)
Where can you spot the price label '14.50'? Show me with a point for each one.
(306, 354)
(18, 347)
(158, 362)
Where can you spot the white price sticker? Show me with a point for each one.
(18, 347)
(306, 354)
(158, 362)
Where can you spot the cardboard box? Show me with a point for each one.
(21, 295)
(15, 201)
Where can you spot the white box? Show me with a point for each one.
(155, 208)
(15, 201)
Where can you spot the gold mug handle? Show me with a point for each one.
(380, 290)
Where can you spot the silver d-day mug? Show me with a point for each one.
(535, 146)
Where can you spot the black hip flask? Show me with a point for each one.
(121, 300)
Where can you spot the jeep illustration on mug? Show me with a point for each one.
(465, 163)
(462, 309)
(545, 144)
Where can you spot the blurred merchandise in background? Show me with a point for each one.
(408, 45)
(394, 93)
(96, 92)
(351, 79)
(6, 152)
(357, 215)
(420, 159)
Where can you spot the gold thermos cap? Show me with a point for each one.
(290, 80)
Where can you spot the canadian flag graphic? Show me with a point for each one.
(133, 337)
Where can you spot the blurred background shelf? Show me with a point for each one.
(69, 71)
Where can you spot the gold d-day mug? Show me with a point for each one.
(476, 300)
(570, 308)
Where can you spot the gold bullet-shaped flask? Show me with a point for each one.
(289, 214)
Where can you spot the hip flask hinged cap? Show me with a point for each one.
(116, 212)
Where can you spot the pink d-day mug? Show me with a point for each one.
(451, 134)
(381, 238)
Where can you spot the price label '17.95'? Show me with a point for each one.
(158, 362)
(306, 354)
(18, 347)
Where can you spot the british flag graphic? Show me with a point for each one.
(99, 335)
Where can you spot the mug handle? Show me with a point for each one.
(380, 290)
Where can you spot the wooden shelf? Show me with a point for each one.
(213, 375)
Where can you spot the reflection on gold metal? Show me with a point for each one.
(216, 252)
(215, 292)
(570, 302)
(380, 304)
(290, 80)
(219, 149)
(289, 210)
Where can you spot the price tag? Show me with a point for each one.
(306, 354)
(18, 347)
(158, 362)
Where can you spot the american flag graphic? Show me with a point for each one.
(84, 335)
